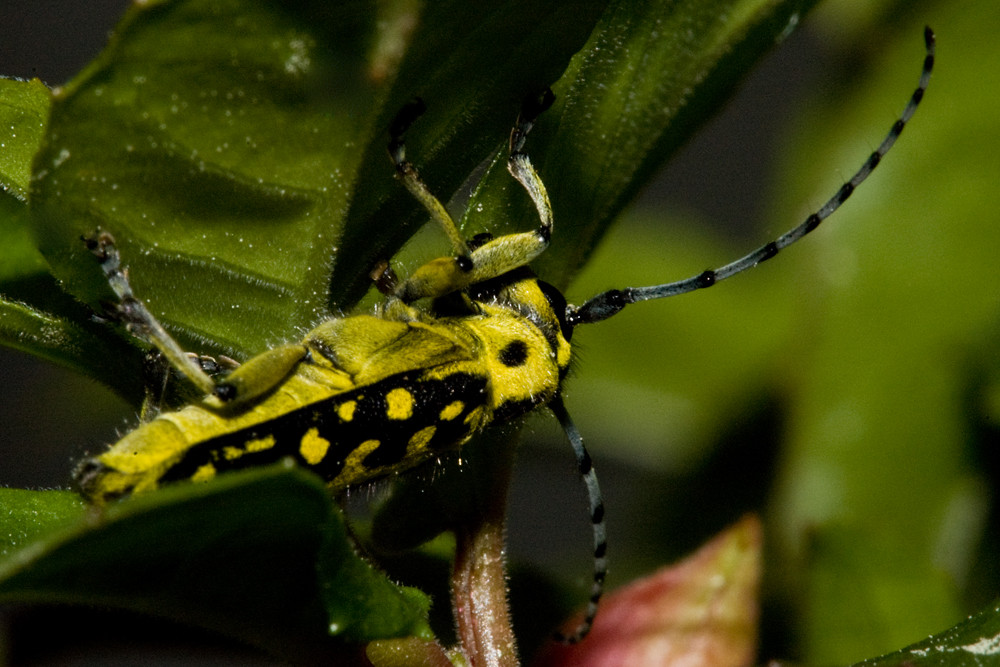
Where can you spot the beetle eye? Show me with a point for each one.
(558, 303)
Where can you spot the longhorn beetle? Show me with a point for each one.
(366, 396)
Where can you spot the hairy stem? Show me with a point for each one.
(479, 578)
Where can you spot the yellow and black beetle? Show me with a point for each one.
(364, 396)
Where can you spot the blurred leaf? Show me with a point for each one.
(702, 611)
(237, 555)
(880, 505)
(858, 597)
(714, 350)
(973, 643)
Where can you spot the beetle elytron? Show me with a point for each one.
(366, 396)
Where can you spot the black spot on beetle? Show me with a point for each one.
(514, 354)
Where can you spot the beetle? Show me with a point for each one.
(466, 341)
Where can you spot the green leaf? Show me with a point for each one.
(650, 74)
(237, 555)
(21, 259)
(214, 141)
(29, 515)
(71, 340)
(35, 315)
(238, 167)
(498, 54)
(974, 642)
(24, 109)
(232, 173)
(361, 603)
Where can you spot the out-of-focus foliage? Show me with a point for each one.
(869, 349)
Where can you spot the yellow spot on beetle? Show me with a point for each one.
(475, 418)
(399, 404)
(366, 448)
(346, 410)
(203, 473)
(313, 446)
(232, 453)
(354, 467)
(260, 444)
(452, 410)
(419, 440)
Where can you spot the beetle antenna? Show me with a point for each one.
(589, 476)
(609, 303)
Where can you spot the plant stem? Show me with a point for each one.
(479, 578)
